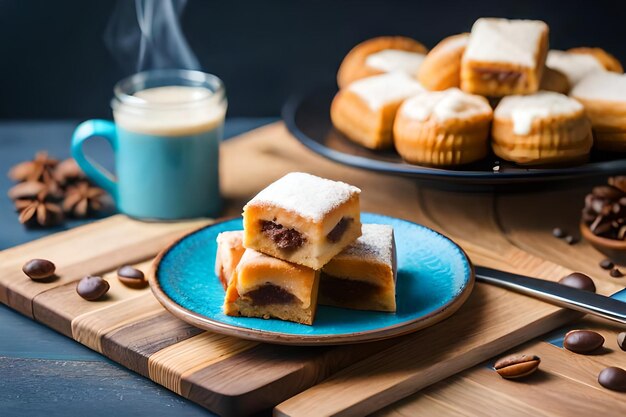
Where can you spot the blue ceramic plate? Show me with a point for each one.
(435, 277)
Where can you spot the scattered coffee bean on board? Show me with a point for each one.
(558, 232)
(621, 340)
(92, 288)
(582, 341)
(131, 277)
(517, 366)
(613, 378)
(578, 280)
(616, 273)
(606, 264)
(39, 269)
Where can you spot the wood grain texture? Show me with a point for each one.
(169, 365)
(89, 328)
(133, 344)
(235, 377)
(96, 248)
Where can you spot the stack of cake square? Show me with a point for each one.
(303, 243)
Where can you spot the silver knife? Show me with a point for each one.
(555, 293)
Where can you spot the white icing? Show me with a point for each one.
(602, 85)
(574, 66)
(310, 196)
(524, 110)
(443, 105)
(394, 60)
(454, 42)
(374, 245)
(503, 40)
(379, 90)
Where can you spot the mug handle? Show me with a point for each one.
(92, 169)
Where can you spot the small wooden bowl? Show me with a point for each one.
(612, 248)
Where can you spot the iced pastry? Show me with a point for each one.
(441, 68)
(363, 276)
(365, 110)
(303, 219)
(603, 94)
(504, 57)
(229, 251)
(443, 128)
(381, 55)
(541, 128)
(266, 287)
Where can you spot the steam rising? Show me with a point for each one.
(146, 34)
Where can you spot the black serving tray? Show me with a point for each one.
(307, 117)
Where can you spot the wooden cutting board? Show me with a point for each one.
(236, 377)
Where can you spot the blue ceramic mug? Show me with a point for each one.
(166, 135)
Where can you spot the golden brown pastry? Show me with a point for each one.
(441, 68)
(604, 96)
(303, 219)
(267, 287)
(229, 251)
(540, 129)
(608, 61)
(554, 80)
(504, 57)
(364, 111)
(380, 55)
(443, 128)
(363, 276)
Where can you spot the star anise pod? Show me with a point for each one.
(68, 172)
(38, 212)
(39, 169)
(30, 190)
(83, 199)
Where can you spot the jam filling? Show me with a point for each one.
(288, 239)
(270, 294)
(335, 235)
(345, 290)
(502, 76)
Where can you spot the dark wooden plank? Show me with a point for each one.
(35, 387)
(132, 345)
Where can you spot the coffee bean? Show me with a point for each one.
(608, 192)
(517, 366)
(39, 269)
(616, 273)
(131, 277)
(558, 232)
(570, 240)
(621, 340)
(613, 378)
(92, 287)
(578, 280)
(582, 341)
(606, 264)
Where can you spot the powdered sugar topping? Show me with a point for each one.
(305, 194)
(394, 60)
(375, 244)
(379, 90)
(602, 85)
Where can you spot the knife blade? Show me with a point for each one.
(555, 293)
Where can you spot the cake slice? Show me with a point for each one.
(363, 276)
(267, 287)
(365, 110)
(303, 219)
(504, 57)
(229, 251)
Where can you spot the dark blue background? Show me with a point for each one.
(53, 62)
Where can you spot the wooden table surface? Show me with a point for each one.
(503, 222)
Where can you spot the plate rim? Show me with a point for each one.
(207, 323)
(294, 103)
